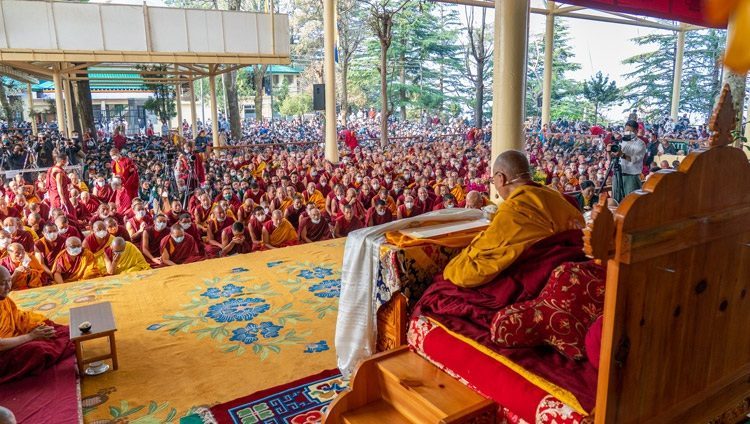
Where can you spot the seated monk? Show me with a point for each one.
(152, 237)
(314, 227)
(26, 272)
(278, 232)
(178, 248)
(408, 209)
(29, 343)
(346, 223)
(187, 224)
(235, 240)
(378, 214)
(215, 225)
(474, 200)
(136, 225)
(255, 226)
(18, 234)
(312, 195)
(48, 247)
(65, 229)
(529, 213)
(122, 257)
(75, 263)
(97, 241)
(115, 229)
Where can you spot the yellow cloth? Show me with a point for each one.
(528, 215)
(284, 233)
(14, 322)
(169, 332)
(317, 198)
(30, 278)
(99, 256)
(457, 239)
(87, 266)
(131, 260)
(82, 186)
(458, 193)
(259, 170)
(737, 55)
(285, 204)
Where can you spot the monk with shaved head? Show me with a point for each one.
(529, 213)
(122, 257)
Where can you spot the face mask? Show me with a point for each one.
(388, 180)
(266, 210)
(375, 186)
(359, 179)
(339, 196)
(63, 230)
(450, 206)
(315, 221)
(4, 243)
(186, 225)
(381, 213)
(160, 226)
(51, 236)
(259, 217)
(10, 229)
(314, 174)
(178, 239)
(101, 234)
(408, 205)
(140, 214)
(227, 197)
(74, 251)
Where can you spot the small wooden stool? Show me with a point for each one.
(102, 325)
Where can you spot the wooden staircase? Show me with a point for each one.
(399, 386)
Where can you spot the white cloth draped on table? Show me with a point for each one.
(356, 324)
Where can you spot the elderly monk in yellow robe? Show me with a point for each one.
(278, 232)
(529, 213)
(29, 343)
(75, 263)
(313, 195)
(122, 257)
(26, 271)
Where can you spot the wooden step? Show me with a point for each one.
(422, 392)
(378, 412)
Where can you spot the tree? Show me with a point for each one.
(296, 105)
(649, 85)
(5, 102)
(564, 89)
(478, 54)
(351, 35)
(381, 23)
(162, 103)
(600, 91)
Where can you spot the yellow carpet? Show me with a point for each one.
(208, 332)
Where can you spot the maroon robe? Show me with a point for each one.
(154, 241)
(345, 227)
(135, 223)
(93, 244)
(33, 357)
(182, 253)
(373, 218)
(316, 232)
(50, 249)
(293, 215)
(245, 247)
(123, 201)
(25, 238)
(104, 194)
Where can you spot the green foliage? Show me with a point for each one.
(565, 91)
(281, 94)
(650, 83)
(162, 103)
(296, 105)
(600, 91)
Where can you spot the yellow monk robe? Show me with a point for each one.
(14, 322)
(531, 213)
(259, 170)
(33, 276)
(81, 267)
(459, 193)
(285, 204)
(131, 260)
(317, 198)
(283, 235)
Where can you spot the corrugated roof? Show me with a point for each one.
(283, 69)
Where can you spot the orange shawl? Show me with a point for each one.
(14, 322)
(283, 234)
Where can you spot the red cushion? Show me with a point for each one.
(594, 342)
(560, 316)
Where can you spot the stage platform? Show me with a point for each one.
(209, 332)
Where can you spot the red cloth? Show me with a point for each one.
(688, 11)
(25, 239)
(373, 218)
(56, 200)
(316, 232)
(33, 357)
(50, 250)
(126, 169)
(470, 311)
(594, 342)
(245, 247)
(123, 201)
(345, 227)
(183, 253)
(120, 141)
(93, 244)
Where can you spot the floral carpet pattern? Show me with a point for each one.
(201, 334)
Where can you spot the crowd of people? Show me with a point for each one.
(150, 202)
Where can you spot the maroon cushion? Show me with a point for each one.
(560, 316)
(594, 342)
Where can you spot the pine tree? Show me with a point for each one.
(600, 91)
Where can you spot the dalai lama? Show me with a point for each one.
(29, 343)
(534, 230)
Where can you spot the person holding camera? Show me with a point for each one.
(631, 151)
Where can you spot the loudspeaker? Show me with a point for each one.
(319, 97)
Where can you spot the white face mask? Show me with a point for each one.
(178, 239)
(381, 213)
(100, 183)
(260, 217)
(160, 225)
(63, 230)
(74, 251)
(408, 205)
(4, 243)
(51, 236)
(140, 214)
(315, 221)
(186, 225)
(101, 234)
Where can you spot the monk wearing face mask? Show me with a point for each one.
(75, 263)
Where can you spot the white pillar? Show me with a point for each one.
(32, 118)
(747, 123)
(214, 110)
(59, 111)
(677, 83)
(178, 106)
(509, 75)
(69, 107)
(549, 44)
(329, 26)
(193, 114)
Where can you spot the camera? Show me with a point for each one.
(615, 147)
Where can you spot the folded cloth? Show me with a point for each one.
(33, 357)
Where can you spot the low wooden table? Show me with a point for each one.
(102, 325)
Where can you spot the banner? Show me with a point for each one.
(688, 11)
